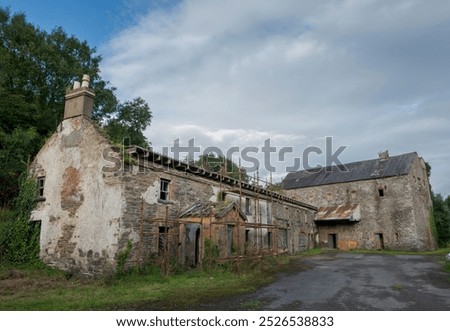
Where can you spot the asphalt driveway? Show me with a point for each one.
(351, 282)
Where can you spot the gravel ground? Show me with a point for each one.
(335, 282)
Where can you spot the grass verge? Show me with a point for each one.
(41, 288)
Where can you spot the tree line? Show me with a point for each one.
(441, 215)
(36, 68)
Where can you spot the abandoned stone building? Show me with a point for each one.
(373, 204)
(98, 204)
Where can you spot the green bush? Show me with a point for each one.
(19, 238)
(211, 254)
(122, 258)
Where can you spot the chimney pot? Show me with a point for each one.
(76, 84)
(86, 80)
(384, 155)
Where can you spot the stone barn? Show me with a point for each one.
(373, 204)
(97, 203)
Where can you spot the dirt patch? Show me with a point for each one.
(12, 280)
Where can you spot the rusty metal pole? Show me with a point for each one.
(166, 244)
(141, 230)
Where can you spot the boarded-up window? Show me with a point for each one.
(283, 238)
(230, 243)
(303, 241)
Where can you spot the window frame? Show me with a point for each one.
(164, 189)
(40, 183)
(248, 206)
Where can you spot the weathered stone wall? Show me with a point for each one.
(81, 207)
(142, 202)
(93, 207)
(397, 220)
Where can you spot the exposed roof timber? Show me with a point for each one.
(166, 161)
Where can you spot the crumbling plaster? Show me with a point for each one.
(83, 205)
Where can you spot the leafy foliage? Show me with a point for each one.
(122, 258)
(131, 119)
(15, 149)
(36, 67)
(222, 165)
(211, 254)
(441, 212)
(440, 215)
(19, 239)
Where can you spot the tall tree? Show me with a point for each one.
(222, 165)
(441, 213)
(36, 67)
(129, 121)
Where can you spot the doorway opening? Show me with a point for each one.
(379, 241)
(197, 247)
(332, 240)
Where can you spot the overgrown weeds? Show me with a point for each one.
(33, 288)
(19, 238)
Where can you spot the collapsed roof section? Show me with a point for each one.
(166, 162)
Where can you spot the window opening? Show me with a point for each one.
(247, 206)
(164, 189)
(40, 185)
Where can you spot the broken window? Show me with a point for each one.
(40, 186)
(247, 206)
(221, 196)
(247, 235)
(164, 189)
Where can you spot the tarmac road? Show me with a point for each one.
(351, 282)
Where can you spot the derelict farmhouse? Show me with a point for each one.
(157, 207)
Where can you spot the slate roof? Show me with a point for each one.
(355, 171)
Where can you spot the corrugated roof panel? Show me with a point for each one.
(347, 212)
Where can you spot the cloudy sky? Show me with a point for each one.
(373, 75)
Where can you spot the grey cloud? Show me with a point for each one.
(373, 74)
